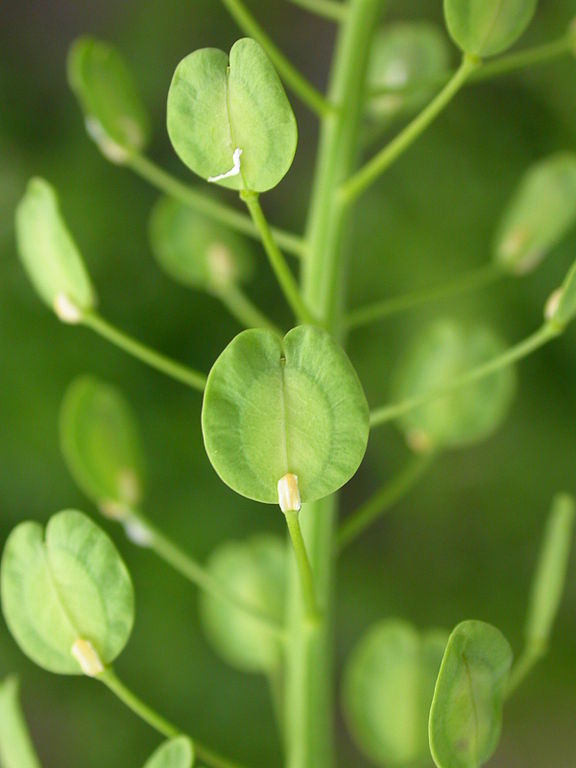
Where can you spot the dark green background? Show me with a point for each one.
(462, 546)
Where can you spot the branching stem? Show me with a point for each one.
(543, 336)
(174, 370)
(383, 500)
(278, 263)
(188, 567)
(212, 209)
(157, 722)
(375, 167)
(383, 309)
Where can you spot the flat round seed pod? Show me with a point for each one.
(254, 571)
(103, 84)
(100, 442)
(540, 214)
(196, 252)
(466, 714)
(66, 585)
(176, 753)
(408, 59)
(487, 27)
(229, 119)
(49, 254)
(388, 688)
(276, 406)
(444, 352)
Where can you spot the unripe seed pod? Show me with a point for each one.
(487, 27)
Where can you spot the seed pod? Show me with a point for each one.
(103, 84)
(466, 713)
(541, 212)
(16, 748)
(100, 442)
(67, 596)
(229, 119)
(255, 572)
(176, 753)
(196, 252)
(561, 307)
(50, 255)
(276, 406)
(441, 354)
(487, 27)
(407, 59)
(388, 689)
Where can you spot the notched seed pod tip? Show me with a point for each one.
(229, 119)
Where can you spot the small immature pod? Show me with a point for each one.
(541, 212)
(487, 27)
(551, 573)
(196, 252)
(50, 255)
(100, 442)
(406, 58)
(561, 307)
(176, 753)
(115, 116)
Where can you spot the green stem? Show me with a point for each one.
(543, 336)
(372, 171)
(309, 660)
(297, 82)
(157, 722)
(199, 576)
(328, 9)
(515, 62)
(522, 668)
(506, 65)
(304, 568)
(389, 307)
(383, 500)
(247, 313)
(212, 209)
(277, 261)
(140, 351)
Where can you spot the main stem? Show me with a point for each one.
(309, 667)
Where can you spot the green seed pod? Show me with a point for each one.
(466, 713)
(409, 58)
(16, 748)
(103, 84)
(487, 27)
(275, 407)
(100, 442)
(561, 307)
(67, 596)
(550, 576)
(50, 255)
(176, 753)
(229, 119)
(255, 572)
(196, 252)
(388, 689)
(539, 215)
(444, 352)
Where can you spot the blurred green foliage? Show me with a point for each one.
(462, 546)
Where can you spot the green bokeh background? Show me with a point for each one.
(462, 546)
